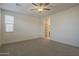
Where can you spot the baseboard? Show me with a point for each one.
(66, 44)
(21, 41)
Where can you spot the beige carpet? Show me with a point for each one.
(39, 47)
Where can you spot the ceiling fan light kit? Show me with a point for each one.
(40, 7)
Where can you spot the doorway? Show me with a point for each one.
(47, 28)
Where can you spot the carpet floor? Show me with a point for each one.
(39, 47)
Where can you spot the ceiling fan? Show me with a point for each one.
(40, 7)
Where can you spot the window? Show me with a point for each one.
(9, 23)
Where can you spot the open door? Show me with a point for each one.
(47, 28)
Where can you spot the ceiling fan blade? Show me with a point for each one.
(34, 4)
(46, 9)
(40, 4)
(33, 9)
(46, 4)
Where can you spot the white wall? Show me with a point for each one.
(65, 26)
(25, 27)
(42, 26)
(0, 27)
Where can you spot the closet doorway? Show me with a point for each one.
(47, 28)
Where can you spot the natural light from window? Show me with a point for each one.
(9, 23)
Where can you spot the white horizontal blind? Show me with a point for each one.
(9, 23)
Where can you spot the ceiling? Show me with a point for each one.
(25, 8)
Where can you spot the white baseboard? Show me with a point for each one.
(21, 40)
(65, 43)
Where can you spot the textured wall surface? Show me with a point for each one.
(25, 27)
(65, 26)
